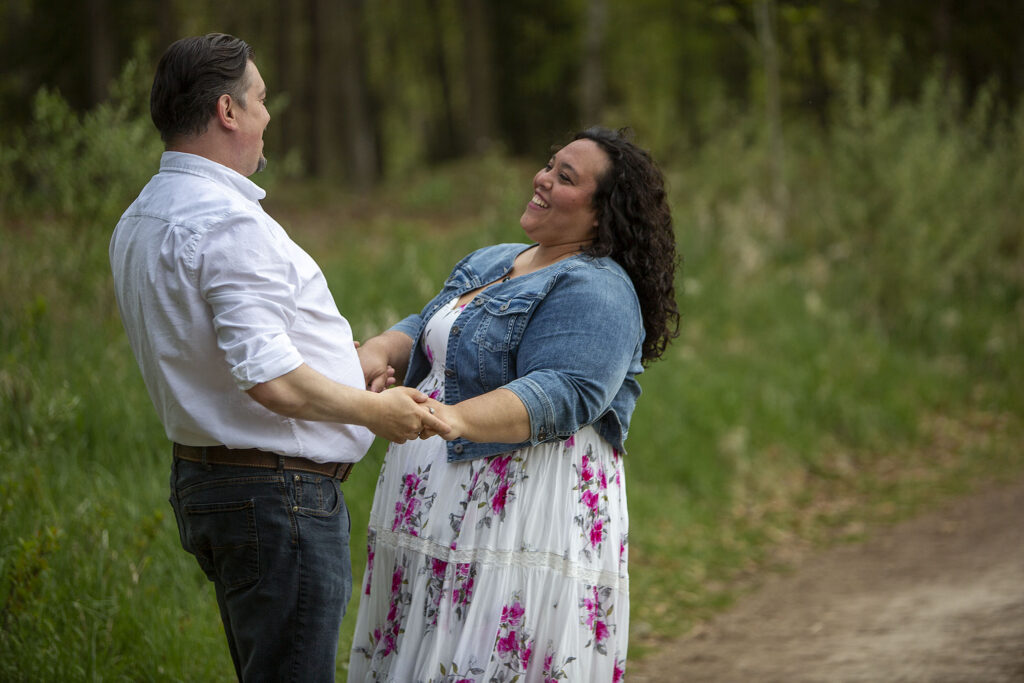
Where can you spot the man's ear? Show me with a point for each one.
(226, 109)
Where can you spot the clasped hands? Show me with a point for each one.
(411, 414)
(422, 418)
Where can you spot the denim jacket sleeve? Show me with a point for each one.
(577, 351)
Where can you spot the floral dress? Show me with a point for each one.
(510, 567)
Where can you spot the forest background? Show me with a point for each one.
(847, 189)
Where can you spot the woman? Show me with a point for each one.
(500, 550)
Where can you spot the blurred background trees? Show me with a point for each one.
(364, 90)
(847, 188)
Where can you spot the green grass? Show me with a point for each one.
(793, 410)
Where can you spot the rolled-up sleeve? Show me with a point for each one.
(575, 354)
(250, 286)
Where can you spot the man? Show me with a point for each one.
(252, 369)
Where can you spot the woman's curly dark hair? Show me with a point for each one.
(634, 227)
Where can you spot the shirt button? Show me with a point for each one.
(448, 372)
(458, 449)
(297, 477)
(295, 508)
(504, 307)
(542, 435)
(455, 329)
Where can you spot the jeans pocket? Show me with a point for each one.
(316, 496)
(224, 540)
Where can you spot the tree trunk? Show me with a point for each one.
(445, 143)
(101, 52)
(593, 82)
(359, 130)
(479, 130)
(325, 158)
(764, 20)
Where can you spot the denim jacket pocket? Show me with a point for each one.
(503, 322)
(499, 332)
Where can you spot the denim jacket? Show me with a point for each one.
(565, 339)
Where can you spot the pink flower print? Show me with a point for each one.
(507, 645)
(513, 645)
(499, 465)
(439, 567)
(602, 479)
(570, 442)
(430, 353)
(512, 614)
(393, 627)
(369, 566)
(597, 533)
(586, 472)
(525, 654)
(499, 499)
(590, 499)
(462, 587)
(617, 672)
(553, 673)
(494, 490)
(435, 394)
(412, 502)
(595, 612)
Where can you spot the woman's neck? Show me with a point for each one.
(543, 256)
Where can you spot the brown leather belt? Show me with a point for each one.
(251, 457)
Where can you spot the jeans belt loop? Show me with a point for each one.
(206, 465)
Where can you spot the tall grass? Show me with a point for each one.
(842, 359)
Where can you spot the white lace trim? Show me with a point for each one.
(526, 559)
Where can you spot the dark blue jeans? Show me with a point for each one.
(275, 545)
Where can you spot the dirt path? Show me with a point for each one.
(939, 599)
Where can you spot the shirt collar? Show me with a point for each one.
(182, 162)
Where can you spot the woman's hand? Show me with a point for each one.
(384, 359)
(450, 415)
(379, 375)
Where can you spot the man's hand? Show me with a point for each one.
(403, 414)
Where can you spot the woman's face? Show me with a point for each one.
(561, 210)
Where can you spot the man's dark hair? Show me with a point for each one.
(192, 75)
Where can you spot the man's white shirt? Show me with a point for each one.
(216, 298)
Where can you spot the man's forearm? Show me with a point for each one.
(305, 394)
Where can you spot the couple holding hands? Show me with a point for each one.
(498, 536)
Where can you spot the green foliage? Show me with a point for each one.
(82, 165)
(929, 194)
(802, 396)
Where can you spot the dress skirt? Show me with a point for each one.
(497, 568)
